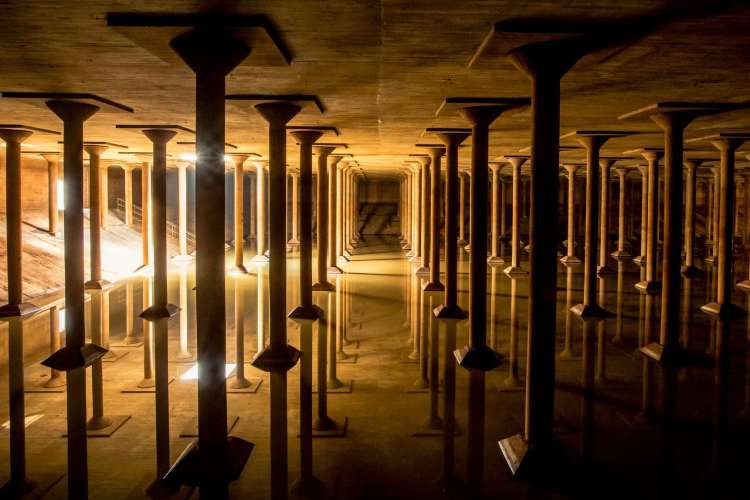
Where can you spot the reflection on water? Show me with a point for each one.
(392, 415)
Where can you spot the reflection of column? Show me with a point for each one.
(53, 172)
(512, 380)
(260, 214)
(55, 378)
(433, 422)
(334, 330)
(260, 310)
(324, 422)
(184, 352)
(148, 337)
(567, 350)
(416, 316)
(239, 382)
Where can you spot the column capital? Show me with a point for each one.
(571, 168)
(95, 149)
(51, 157)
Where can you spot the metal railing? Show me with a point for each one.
(173, 230)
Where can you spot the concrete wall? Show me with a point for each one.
(33, 182)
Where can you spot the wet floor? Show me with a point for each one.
(630, 430)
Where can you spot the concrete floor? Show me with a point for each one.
(379, 457)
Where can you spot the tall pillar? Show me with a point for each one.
(641, 258)
(333, 213)
(570, 257)
(434, 284)
(688, 269)
(159, 312)
(294, 240)
(53, 173)
(461, 208)
(672, 120)
(621, 252)
(306, 313)
(239, 214)
(343, 205)
(516, 162)
(279, 357)
(603, 268)
(183, 254)
(95, 243)
(424, 238)
(146, 213)
(261, 222)
(76, 355)
(322, 218)
(727, 144)
(650, 284)
(104, 197)
(417, 220)
(128, 175)
(497, 199)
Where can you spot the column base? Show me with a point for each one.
(495, 260)
(97, 285)
(309, 486)
(323, 287)
(70, 358)
(302, 313)
(570, 260)
(237, 271)
(691, 271)
(334, 270)
(294, 242)
(342, 260)
(449, 312)
(744, 285)
(327, 427)
(433, 287)
(259, 259)
(532, 462)
(478, 358)
(183, 258)
(276, 359)
(605, 271)
(409, 254)
(415, 258)
(192, 467)
(590, 311)
(723, 311)
(346, 253)
(514, 271)
(650, 287)
(105, 426)
(155, 313)
(620, 255)
(671, 356)
(422, 271)
(640, 260)
(17, 310)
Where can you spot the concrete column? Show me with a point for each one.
(146, 213)
(53, 173)
(461, 207)
(95, 244)
(715, 203)
(450, 308)
(589, 307)
(322, 218)
(104, 197)
(603, 268)
(182, 213)
(333, 214)
(76, 355)
(434, 284)
(13, 220)
(211, 55)
(128, 175)
(621, 252)
(570, 258)
(425, 241)
(641, 258)
(260, 214)
(467, 248)
(650, 284)
(416, 246)
(516, 163)
(294, 240)
(306, 313)
(279, 357)
(239, 214)
(497, 199)
(727, 144)
(689, 269)
(342, 206)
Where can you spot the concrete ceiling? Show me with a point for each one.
(381, 68)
